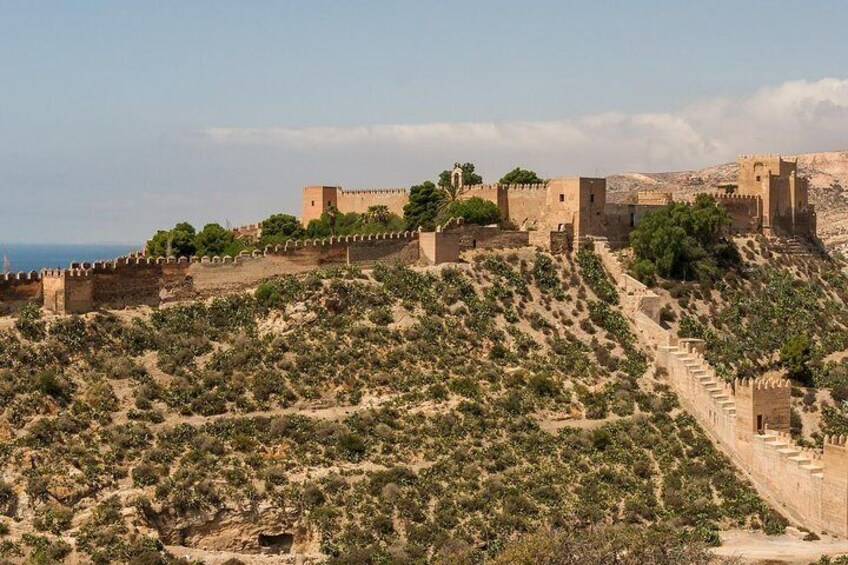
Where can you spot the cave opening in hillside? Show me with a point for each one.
(276, 543)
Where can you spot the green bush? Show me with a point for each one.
(685, 241)
(474, 210)
(595, 275)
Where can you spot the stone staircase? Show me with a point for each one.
(793, 246)
(701, 373)
(807, 459)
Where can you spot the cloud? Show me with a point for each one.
(127, 190)
(793, 117)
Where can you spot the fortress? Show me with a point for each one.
(769, 198)
(747, 419)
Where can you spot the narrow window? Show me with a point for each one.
(591, 198)
(759, 422)
(758, 178)
(313, 204)
(562, 197)
(632, 219)
(329, 203)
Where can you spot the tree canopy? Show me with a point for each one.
(278, 228)
(214, 239)
(469, 177)
(521, 176)
(474, 210)
(684, 241)
(423, 206)
(377, 219)
(176, 242)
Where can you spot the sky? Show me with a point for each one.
(120, 118)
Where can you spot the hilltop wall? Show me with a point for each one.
(137, 280)
(17, 289)
(360, 200)
(746, 211)
(748, 419)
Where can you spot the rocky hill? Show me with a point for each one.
(828, 174)
(397, 415)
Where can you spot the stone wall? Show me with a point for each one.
(150, 281)
(17, 289)
(360, 200)
(485, 237)
(439, 247)
(748, 419)
(746, 211)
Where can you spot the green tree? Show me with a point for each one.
(278, 228)
(176, 242)
(423, 206)
(474, 210)
(333, 222)
(213, 239)
(451, 193)
(795, 356)
(521, 176)
(685, 241)
(469, 177)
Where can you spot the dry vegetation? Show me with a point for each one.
(389, 416)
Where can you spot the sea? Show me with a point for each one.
(37, 256)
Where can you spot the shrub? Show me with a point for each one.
(474, 210)
(595, 276)
(644, 271)
(685, 241)
(795, 356)
(29, 322)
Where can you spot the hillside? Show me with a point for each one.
(391, 416)
(828, 174)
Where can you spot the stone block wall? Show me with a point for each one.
(368, 252)
(486, 237)
(68, 291)
(746, 211)
(360, 200)
(747, 420)
(439, 247)
(16, 289)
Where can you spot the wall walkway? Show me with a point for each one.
(748, 420)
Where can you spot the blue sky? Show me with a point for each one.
(117, 118)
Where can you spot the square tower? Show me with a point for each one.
(316, 201)
(785, 205)
(578, 202)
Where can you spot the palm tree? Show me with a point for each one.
(377, 214)
(331, 219)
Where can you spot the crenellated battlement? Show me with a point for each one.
(452, 223)
(369, 191)
(836, 440)
(21, 276)
(733, 196)
(470, 188)
(762, 383)
(73, 272)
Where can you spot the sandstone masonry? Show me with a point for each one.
(747, 419)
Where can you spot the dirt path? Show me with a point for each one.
(336, 413)
(218, 557)
(790, 548)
